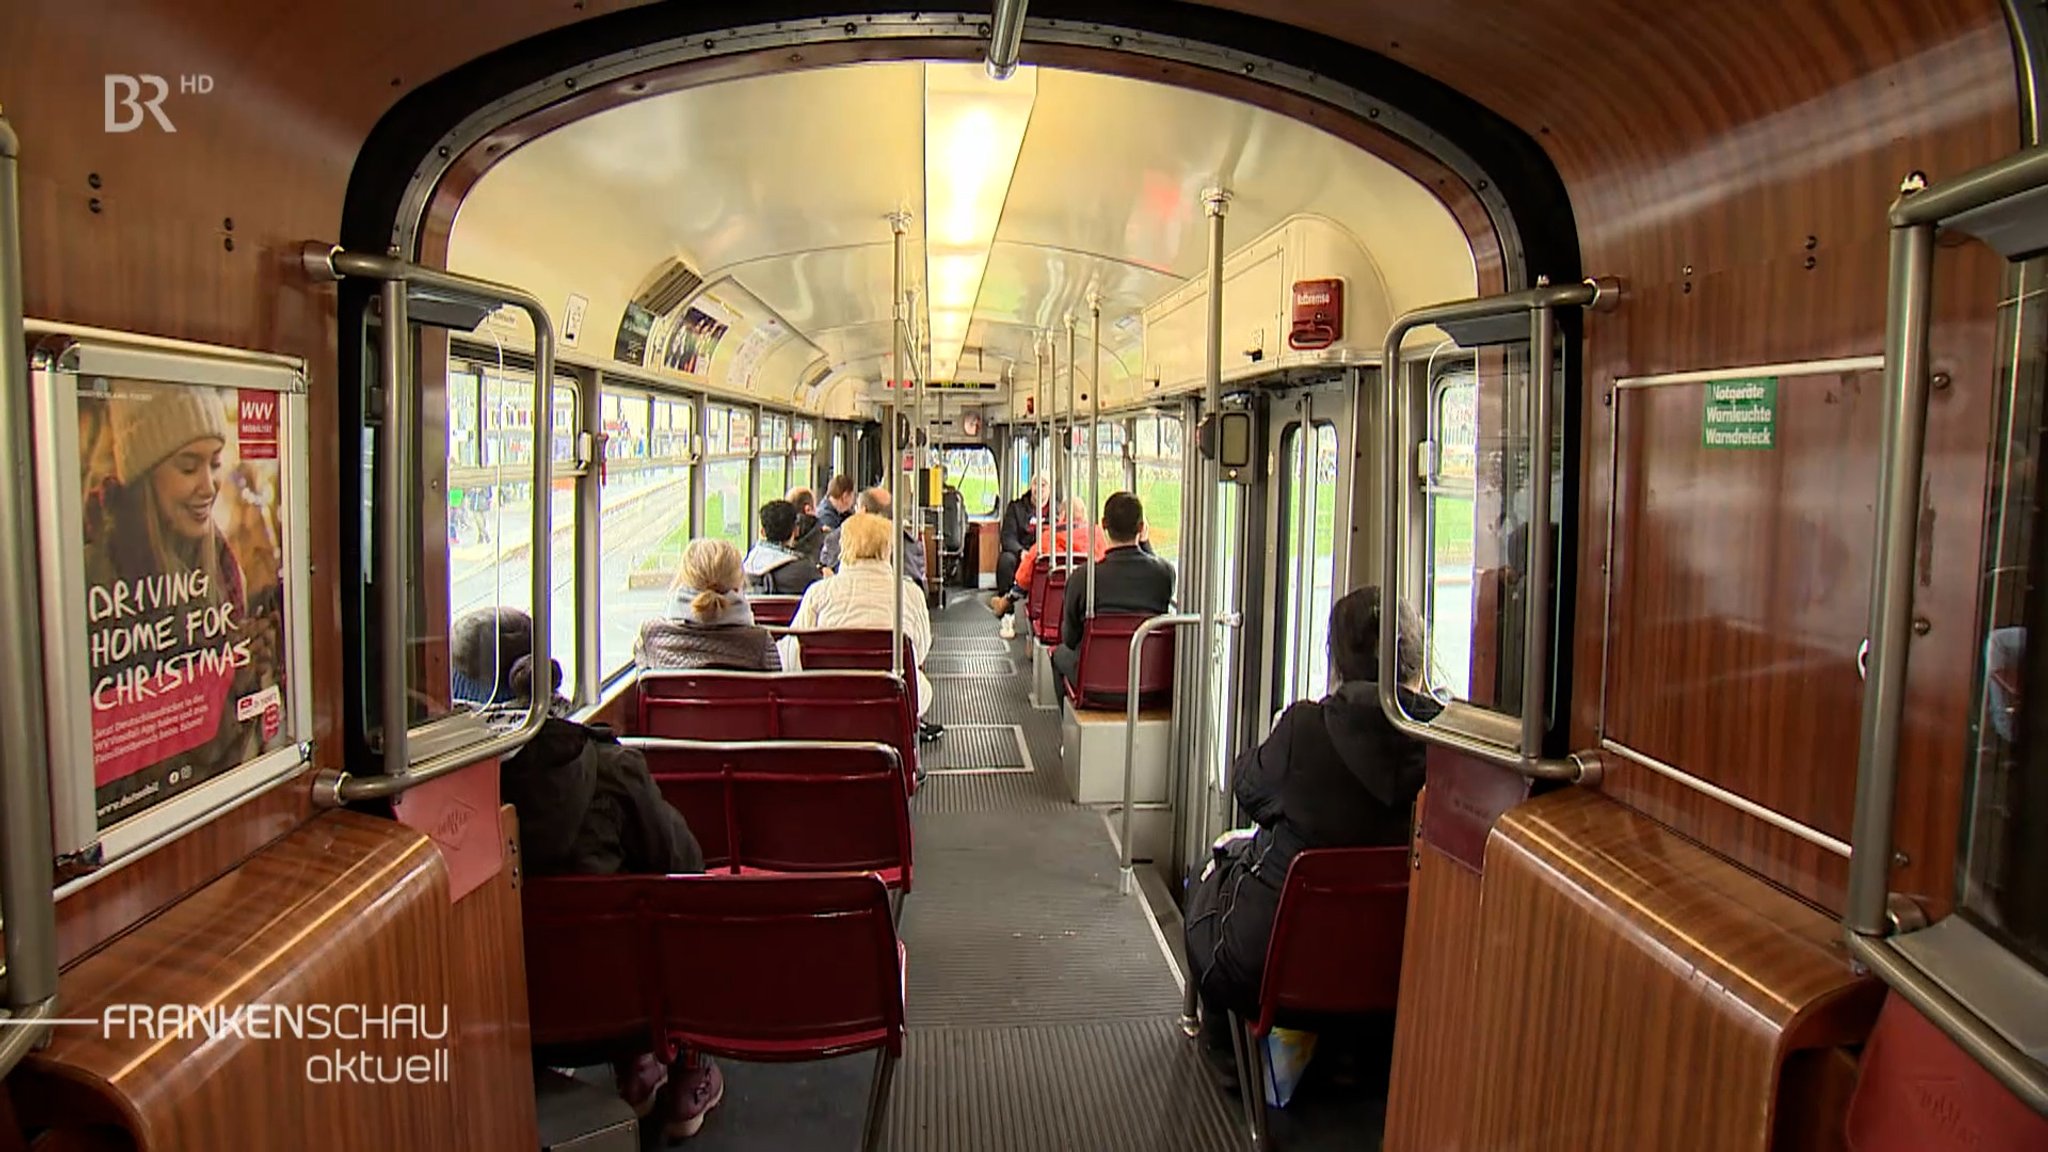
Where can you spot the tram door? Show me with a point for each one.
(1307, 499)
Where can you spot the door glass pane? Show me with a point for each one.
(1289, 623)
(1447, 610)
(2004, 878)
(646, 519)
(491, 437)
(1229, 567)
(973, 471)
(1322, 564)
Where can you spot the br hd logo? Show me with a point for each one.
(127, 105)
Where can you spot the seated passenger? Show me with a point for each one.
(863, 595)
(588, 806)
(1333, 774)
(810, 531)
(708, 624)
(838, 503)
(1128, 578)
(1020, 529)
(875, 502)
(775, 567)
(1073, 521)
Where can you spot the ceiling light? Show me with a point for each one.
(973, 132)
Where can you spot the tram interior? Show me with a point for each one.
(1561, 476)
(1052, 196)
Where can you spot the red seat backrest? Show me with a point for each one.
(803, 705)
(769, 967)
(1918, 1091)
(774, 611)
(1034, 598)
(790, 806)
(856, 649)
(1102, 679)
(1053, 609)
(1336, 945)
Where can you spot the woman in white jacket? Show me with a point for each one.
(858, 596)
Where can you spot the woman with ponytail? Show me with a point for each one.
(708, 624)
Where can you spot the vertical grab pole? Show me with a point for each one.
(1537, 615)
(1040, 466)
(1216, 201)
(1094, 437)
(899, 222)
(920, 453)
(1060, 479)
(1891, 578)
(1132, 668)
(395, 345)
(26, 873)
(1073, 424)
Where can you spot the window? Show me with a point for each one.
(1023, 458)
(1112, 473)
(803, 458)
(774, 456)
(728, 485)
(972, 469)
(1447, 612)
(490, 498)
(1156, 443)
(650, 460)
(1308, 529)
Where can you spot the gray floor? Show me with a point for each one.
(1041, 1006)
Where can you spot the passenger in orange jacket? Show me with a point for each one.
(1086, 544)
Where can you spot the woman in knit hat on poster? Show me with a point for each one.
(154, 551)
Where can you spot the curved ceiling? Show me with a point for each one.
(782, 186)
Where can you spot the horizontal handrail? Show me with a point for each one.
(1540, 304)
(782, 744)
(327, 262)
(1915, 218)
(1138, 635)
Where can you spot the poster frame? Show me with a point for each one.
(57, 385)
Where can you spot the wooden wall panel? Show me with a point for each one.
(494, 1044)
(1733, 164)
(1636, 992)
(348, 910)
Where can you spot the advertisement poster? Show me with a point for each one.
(631, 345)
(752, 349)
(694, 342)
(183, 560)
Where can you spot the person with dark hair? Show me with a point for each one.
(775, 567)
(838, 502)
(1128, 578)
(810, 531)
(1334, 773)
(587, 806)
(875, 502)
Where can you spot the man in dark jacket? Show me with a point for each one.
(1128, 578)
(1020, 530)
(1333, 774)
(775, 567)
(838, 502)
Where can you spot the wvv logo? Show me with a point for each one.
(126, 104)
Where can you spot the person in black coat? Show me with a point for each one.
(1334, 773)
(587, 805)
(1128, 578)
(1020, 529)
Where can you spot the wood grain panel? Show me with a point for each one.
(1637, 992)
(494, 1048)
(1733, 165)
(348, 910)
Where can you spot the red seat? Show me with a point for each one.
(789, 806)
(1918, 1091)
(1102, 678)
(767, 968)
(803, 705)
(858, 649)
(1335, 951)
(774, 611)
(1052, 609)
(1034, 597)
